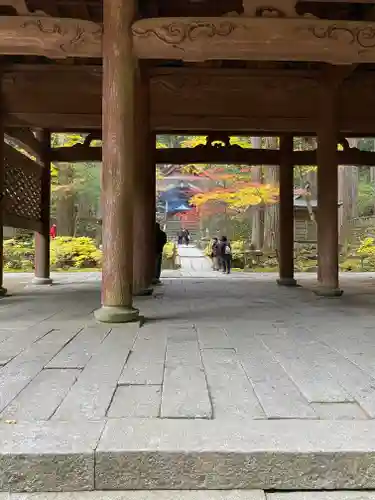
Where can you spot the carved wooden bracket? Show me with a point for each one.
(218, 140)
(277, 39)
(275, 8)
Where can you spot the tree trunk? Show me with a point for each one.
(348, 194)
(271, 215)
(65, 204)
(257, 227)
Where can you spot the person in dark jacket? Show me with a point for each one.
(215, 255)
(160, 241)
(225, 253)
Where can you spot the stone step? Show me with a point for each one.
(176, 454)
(193, 495)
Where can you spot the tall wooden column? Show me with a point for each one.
(286, 213)
(3, 290)
(144, 222)
(42, 238)
(118, 163)
(328, 252)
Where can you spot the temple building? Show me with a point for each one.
(122, 71)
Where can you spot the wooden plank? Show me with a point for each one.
(11, 220)
(17, 159)
(24, 139)
(182, 156)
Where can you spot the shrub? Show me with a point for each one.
(69, 252)
(19, 254)
(169, 251)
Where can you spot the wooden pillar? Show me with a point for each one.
(286, 213)
(327, 216)
(3, 290)
(42, 239)
(118, 163)
(144, 220)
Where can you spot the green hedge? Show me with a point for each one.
(66, 253)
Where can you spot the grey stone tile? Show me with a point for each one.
(277, 393)
(18, 373)
(213, 337)
(91, 396)
(40, 399)
(146, 362)
(48, 457)
(323, 495)
(185, 393)
(136, 401)
(308, 363)
(142, 495)
(339, 411)
(78, 352)
(19, 341)
(231, 392)
(212, 454)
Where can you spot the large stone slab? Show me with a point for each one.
(78, 352)
(231, 392)
(185, 393)
(277, 393)
(308, 362)
(145, 365)
(20, 340)
(19, 372)
(91, 396)
(136, 401)
(323, 495)
(48, 457)
(203, 454)
(140, 495)
(40, 399)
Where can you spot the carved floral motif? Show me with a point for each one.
(57, 37)
(279, 39)
(179, 32)
(362, 36)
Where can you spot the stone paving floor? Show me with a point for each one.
(192, 495)
(212, 347)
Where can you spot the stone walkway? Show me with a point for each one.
(214, 353)
(194, 495)
(227, 347)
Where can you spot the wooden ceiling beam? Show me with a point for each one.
(186, 156)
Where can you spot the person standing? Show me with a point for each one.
(160, 241)
(215, 254)
(53, 231)
(186, 237)
(225, 253)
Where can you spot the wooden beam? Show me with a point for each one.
(248, 38)
(277, 101)
(15, 158)
(81, 153)
(24, 139)
(57, 38)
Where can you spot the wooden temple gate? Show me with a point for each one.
(124, 70)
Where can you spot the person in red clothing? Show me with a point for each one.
(53, 231)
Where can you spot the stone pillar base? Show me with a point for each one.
(287, 282)
(41, 281)
(323, 291)
(145, 292)
(3, 291)
(113, 314)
